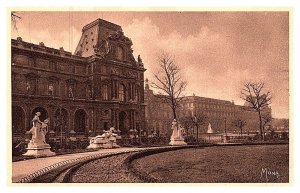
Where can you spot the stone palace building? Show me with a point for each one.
(219, 113)
(99, 86)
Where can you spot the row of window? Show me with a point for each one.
(208, 113)
(31, 88)
(209, 106)
(168, 115)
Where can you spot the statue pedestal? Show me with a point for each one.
(39, 150)
(103, 145)
(102, 142)
(177, 142)
(95, 146)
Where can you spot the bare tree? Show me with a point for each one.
(195, 120)
(239, 123)
(14, 18)
(199, 119)
(169, 83)
(286, 123)
(257, 100)
(266, 118)
(187, 123)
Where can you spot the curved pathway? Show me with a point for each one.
(21, 169)
(105, 170)
(46, 169)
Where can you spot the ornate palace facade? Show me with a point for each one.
(99, 86)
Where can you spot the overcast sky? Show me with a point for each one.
(217, 51)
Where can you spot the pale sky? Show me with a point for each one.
(217, 51)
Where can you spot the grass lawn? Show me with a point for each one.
(224, 164)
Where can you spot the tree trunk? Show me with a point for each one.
(197, 133)
(174, 113)
(260, 126)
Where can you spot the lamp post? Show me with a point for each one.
(225, 127)
(139, 131)
(61, 127)
(197, 127)
(225, 139)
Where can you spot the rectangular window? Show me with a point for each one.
(105, 92)
(122, 92)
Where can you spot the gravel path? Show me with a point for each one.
(106, 170)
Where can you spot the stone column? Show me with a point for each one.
(68, 127)
(133, 119)
(93, 122)
(131, 91)
(117, 89)
(112, 89)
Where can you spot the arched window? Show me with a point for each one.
(80, 121)
(122, 92)
(18, 120)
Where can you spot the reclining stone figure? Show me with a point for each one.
(107, 140)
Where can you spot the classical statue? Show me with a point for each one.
(140, 62)
(51, 89)
(177, 130)
(37, 146)
(177, 134)
(38, 130)
(107, 140)
(27, 86)
(71, 92)
(36, 119)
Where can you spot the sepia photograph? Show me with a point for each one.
(149, 96)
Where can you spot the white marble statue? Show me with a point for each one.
(209, 129)
(37, 146)
(177, 134)
(107, 140)
(38, 132)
